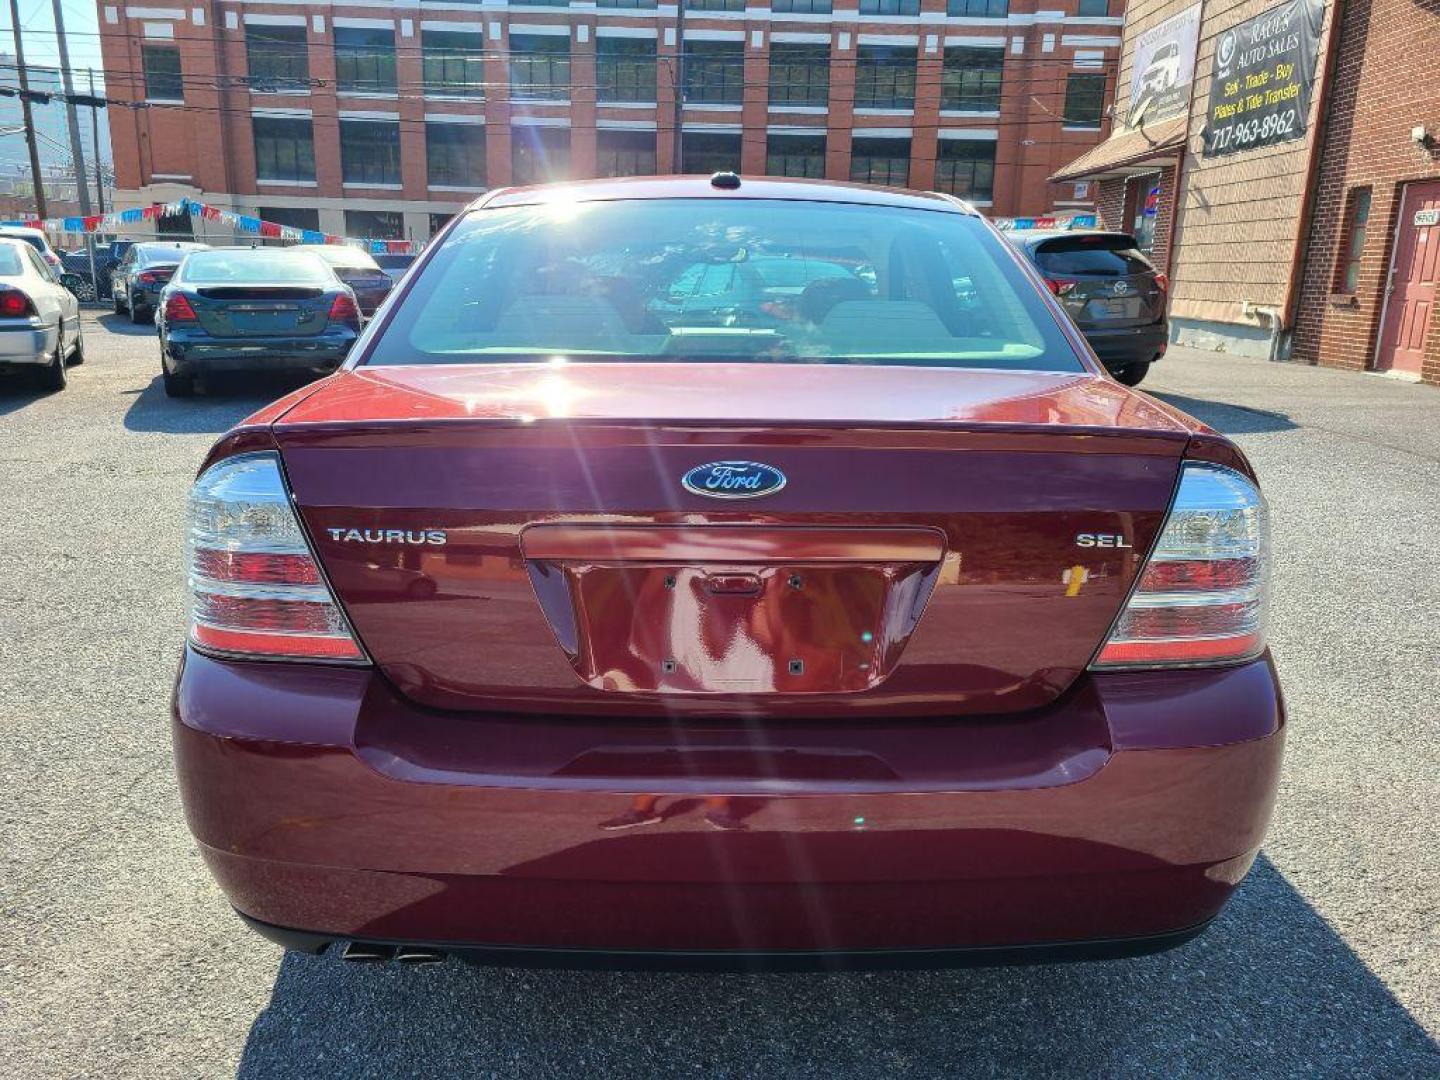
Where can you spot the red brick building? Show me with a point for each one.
(381, 120)
(1323, 248)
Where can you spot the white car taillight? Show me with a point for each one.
(255, 587)
(1202, 596)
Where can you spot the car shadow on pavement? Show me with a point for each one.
(221, 405)
(116, 322)
(1269, 990)
(1230, 419)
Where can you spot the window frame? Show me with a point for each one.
(1350, 256)
(437, 63)
(780, 162)
(714, 72)
(626, 70)
(887, 175)
(362, 68)
(356, 173)
(455, 148)
(300, 173)
(801, 77)
(950, 163)
(697, 146)
(156, 83)
(554, 62)
(1091, 78)
(967, 86)
(885, 76)
(642, 160)
(284, 64)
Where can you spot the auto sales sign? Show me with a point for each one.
(1264, 69)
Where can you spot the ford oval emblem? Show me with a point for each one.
(733, 480)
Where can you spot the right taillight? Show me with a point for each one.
(256, 590)
(1202, 596)
(14, 304)
(343, 310)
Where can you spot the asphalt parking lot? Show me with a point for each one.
(121, 959)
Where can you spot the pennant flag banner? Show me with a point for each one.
(1074, 221)
(239, 222)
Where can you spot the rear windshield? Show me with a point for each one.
(254, 268)
(1092, 256)
(10, 264)
(724, 279)
(34, 241)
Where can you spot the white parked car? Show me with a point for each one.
(37, 239)
(39, 317)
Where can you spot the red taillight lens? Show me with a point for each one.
(1163, 280)
(178, 309)
(255, 587)
(14, 304)
(1203, 594)
(1060, 286)
(149, 277)
(343, 310)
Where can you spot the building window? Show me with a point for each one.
(966, 167)
(880, 161)
(455, 155)
(1094, 9)
(540, 67)
(284, 148)
(438, 222)
(296, 217)
(453, 63)
(625, 153)
(971, 78)
(889, 7)
(707, 152)
(1357, 219)
(715, 5)
(375, 224)
(539, 155)
(277, 57)
(799, 74)
(364, 60)
(884, 77)
(1084, 100)
(625, 69)
(648, 5)
(801, 7)
(714, 72)
(161, 65)
(369, 152)
(795, 155)
(979, 9)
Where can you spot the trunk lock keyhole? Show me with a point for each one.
(797, 667)
(795, 582)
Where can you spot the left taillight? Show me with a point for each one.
(1203, 594)
(256, 589)
(15, 304)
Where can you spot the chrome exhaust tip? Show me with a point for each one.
(410, 954)
(363, 952)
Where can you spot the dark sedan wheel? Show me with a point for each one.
(117, 301)
(1132, 374)
(78, 356)
(52, 376)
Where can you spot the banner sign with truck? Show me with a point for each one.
(1163, 69)
(1264, 69)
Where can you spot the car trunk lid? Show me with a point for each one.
(517, 537)
(261, 310)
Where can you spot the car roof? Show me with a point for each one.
(171, 245)
(330, 251)
(16, 231)
(700, 187)
(1031, 237)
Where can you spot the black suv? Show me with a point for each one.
(1111, 290)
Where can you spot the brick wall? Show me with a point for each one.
(1385, 83)
(208, 144)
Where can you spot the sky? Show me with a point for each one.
(37, 26)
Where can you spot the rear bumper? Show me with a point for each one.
(1130, 345)
(187, 355)
(326, 806)
(26, 345)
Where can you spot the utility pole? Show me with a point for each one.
(77, 151)
(95, 146)
(40, 208)
(678, 147)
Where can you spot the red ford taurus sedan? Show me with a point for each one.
(729, 572)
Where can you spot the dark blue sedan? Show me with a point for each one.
(253, 309)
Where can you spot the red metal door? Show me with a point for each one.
(1411, 303)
